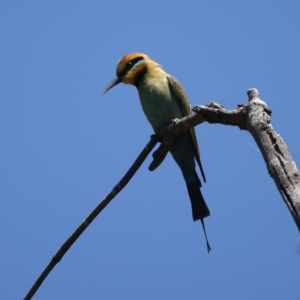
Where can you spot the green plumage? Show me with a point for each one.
(163, 99)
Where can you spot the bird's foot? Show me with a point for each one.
(174, 122)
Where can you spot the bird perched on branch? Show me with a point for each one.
(163, 100)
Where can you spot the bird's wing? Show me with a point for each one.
(185, 107)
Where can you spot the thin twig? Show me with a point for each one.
(71, 240)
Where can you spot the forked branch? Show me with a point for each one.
(254, 116)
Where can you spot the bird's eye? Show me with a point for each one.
(129, 65)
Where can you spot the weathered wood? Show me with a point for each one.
(275, 152)
(255, 117)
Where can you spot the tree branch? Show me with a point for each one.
(75, 235)
(253, 116)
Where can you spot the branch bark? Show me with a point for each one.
(253, 116)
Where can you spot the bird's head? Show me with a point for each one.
(131, 68)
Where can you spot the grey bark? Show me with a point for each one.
(255, 117)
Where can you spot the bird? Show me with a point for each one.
(164, 100)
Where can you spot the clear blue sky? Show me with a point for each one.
(64, 146)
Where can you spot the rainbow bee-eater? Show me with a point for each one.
(163, 100)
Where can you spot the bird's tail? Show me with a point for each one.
(199, 207)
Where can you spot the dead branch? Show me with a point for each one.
(253, 116)
(75, 235)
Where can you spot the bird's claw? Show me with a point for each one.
(174, 121)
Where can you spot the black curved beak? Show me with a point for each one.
(112, 84)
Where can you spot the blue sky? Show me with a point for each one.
(64, 146)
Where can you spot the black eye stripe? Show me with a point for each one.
(130, 64)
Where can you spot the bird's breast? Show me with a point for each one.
(157, 102)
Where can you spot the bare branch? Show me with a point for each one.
(253, 116)
(75, 235)
(279, 162)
